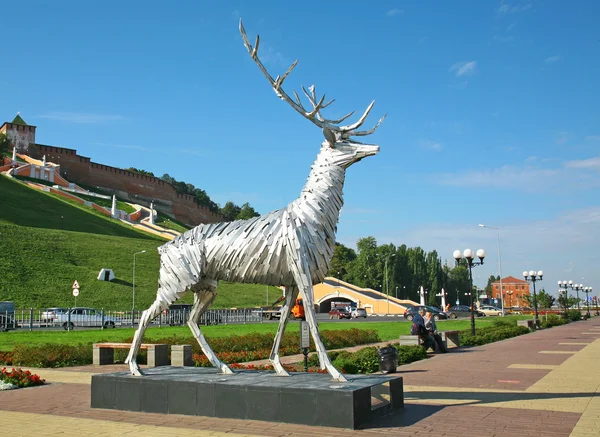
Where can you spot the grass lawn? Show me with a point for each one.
(387, 331)
(169, 223)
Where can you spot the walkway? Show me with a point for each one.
(542, 384)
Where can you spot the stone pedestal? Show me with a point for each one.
(303, 398)
(158, 355)
(181, 355)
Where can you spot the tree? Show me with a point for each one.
(341, 261)
(459, 283)
(137, 170)
(544, 300)
(230, 211)
(488, 287)
(247, 212)
(5, 145)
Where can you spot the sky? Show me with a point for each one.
(492, 111)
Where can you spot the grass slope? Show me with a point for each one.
(47, 243)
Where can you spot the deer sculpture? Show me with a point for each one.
(292, 246)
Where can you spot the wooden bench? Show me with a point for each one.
(158, 354)
(450, 338)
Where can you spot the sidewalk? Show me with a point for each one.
(542, 384)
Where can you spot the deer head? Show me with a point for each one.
(344, 150)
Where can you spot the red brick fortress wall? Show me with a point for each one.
(134, 187)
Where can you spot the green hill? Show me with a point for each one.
(46, 243)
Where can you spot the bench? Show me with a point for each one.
(529, 323)
(450, 338)
(415, 340)
(104, 353)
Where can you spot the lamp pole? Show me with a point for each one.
(587, 300)
(499, 263)
(563, 287)
(470, 257)
(133, 302)
(387, 282)
(533, 276)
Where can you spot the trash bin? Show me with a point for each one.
(388, 359)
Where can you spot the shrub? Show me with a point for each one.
(491, 334)
(6, 358)
(552, 320)
(20, 378)
(366, 360)
(346, 365)
(408, 354)
(501, 322)
(573, 315)
(52, 355)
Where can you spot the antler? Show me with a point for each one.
(313, 115)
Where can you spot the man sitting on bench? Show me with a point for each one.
(418, 328)
(431, 327)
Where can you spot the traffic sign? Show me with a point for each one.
(75, 285)
(76, 292)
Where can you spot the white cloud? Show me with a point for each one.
(552, 59)
(593, 138)
(465, 68)
(507, 8)
(270, 56)
(80, 118)
(592, 163)
(394, 12)
(507, 177)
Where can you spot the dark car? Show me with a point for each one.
(462, 311)
(410, 312)
(339, 313)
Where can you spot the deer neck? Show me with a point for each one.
(322, 194)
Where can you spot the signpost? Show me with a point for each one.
(75, 291)
(305, 342)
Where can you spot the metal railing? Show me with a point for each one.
(68, 318)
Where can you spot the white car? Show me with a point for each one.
(489, 310)
(358, 312)
(84, 317)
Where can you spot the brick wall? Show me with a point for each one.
(135, 187)
(20, 136)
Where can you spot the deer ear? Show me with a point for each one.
(329, 136)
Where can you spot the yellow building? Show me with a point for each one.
(334, 290)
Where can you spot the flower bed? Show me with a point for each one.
(17, 378)
(230, 349)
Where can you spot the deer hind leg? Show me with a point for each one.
(204, 294)
(180, 269)
(290, 299)
(301, 271)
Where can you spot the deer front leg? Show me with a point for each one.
(300, 268)
(290, 300)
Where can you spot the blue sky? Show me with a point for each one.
(492, 111)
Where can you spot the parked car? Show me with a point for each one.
(489, 310)
(84, 317)
(409, 313)
(50, 314)
(462, 311)
(7, 316)
(358, 312)
(339, 313)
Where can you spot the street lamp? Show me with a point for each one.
(470, 257)
(587, 290)
(533, 277)
(387, 282)
(576, 287)
(137, 253)
(499, 262)
(563, 286)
